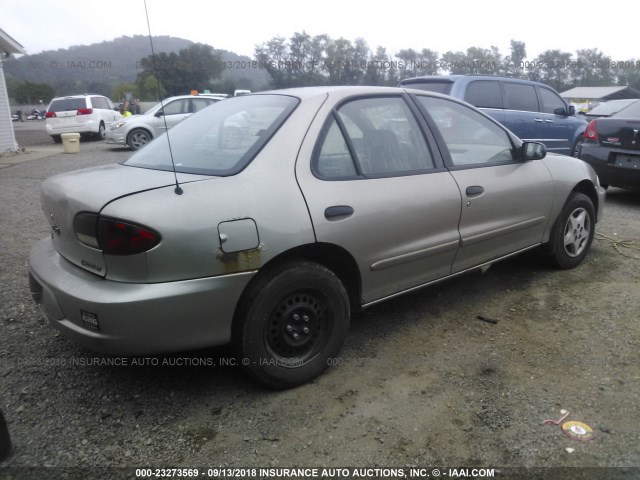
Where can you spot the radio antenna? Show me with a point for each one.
(177, 190)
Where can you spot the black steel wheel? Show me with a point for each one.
(292, 321)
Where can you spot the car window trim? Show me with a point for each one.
(442, 145)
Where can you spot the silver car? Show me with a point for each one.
(280, 213)
(138, 130)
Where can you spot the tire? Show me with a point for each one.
(56, 138)
(102, 133)
(575, 151)
(291, 322)
(138, 138)
(573, 232)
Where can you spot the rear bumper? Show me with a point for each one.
(602, 161)
(132, 318)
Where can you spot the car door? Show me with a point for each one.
(506, 201)
(169, 116)
(558, 127)
(375, 187)
(522, 115)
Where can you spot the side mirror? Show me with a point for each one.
(533, 151)
(159, 113)
(561, 111)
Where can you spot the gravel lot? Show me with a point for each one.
(421, 381)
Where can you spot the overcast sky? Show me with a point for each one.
(239, 25)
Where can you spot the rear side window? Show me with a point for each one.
(520, 97)
(471, 138)
(550, 101)
(384, 136)
(67, 104)
(99, 102)
(484, 93)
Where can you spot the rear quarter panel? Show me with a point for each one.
(266, 191)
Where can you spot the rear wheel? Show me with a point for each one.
(573, 232)
(56, 138)
(102, 131)
(576, 148)
(138, 138)
(292, 322)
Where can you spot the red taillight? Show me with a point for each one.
(121, 238)
(84, 111)
(50, 115)
(591, 134)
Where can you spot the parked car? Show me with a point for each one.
(612, 147)
(533, 111)
(606, 109)
(84, 114)
(138, 130)
(279, 213)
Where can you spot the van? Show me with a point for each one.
(533, 111)
(85, 114)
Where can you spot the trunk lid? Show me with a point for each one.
(64, 196)
(619, 133)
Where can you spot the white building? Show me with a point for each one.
(7, 139)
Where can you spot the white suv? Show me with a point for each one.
(80, 114)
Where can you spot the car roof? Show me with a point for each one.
(467, 77)
(309, 92)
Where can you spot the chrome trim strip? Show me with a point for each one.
(411, 256)
(478, 267)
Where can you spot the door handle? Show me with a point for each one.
(338, 211)
(550, 121)
(474, 190)
(537, 120)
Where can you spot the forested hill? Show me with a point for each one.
(101, 67)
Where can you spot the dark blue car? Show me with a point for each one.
(533, 111)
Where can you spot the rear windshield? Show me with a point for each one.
(67, 104)
(611, 107)
(438, 86)
(632, 111)
(220, 139)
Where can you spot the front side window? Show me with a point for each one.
(550, 101)
(520, 97)
(470, 137)
(177, 107)
(384, 136)
(220, 140)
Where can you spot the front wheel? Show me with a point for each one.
(292, 321)
(138, 138)
(573, 232)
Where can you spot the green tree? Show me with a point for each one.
(273, 56)
(191, 68)
(32, 93)
(592, 69)
(553, 68)
(123, 88)
(515, 62)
